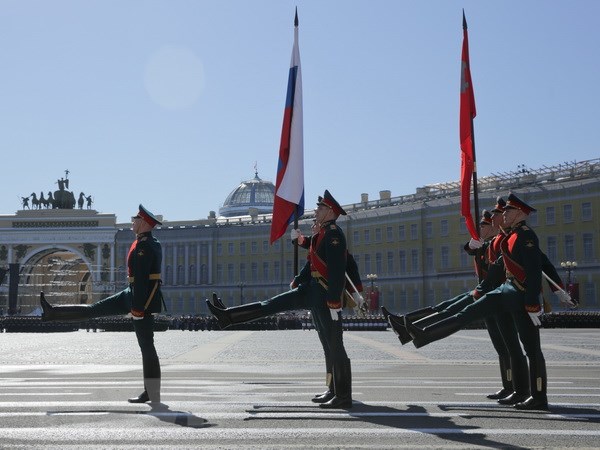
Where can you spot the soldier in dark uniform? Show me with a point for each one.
(519, 296)
(322, 295)
(355, 301)
(141, 299)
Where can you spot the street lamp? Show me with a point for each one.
(572, 286)
(372, 277)
(241, 285)
(569, 266)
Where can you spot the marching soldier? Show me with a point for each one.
(142, 299)
(356, 301)
(519, 295)
(322, 294)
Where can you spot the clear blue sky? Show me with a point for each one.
(170, 103)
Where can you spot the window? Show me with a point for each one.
(462, 226)
(276, 271)
(367, 236)
(389, 234)
(219, 273)
(444, 228)
(429, 258)
(413, 232)
(414, 260)
(288, 270)
(569, 247)
(390, 262)
(219, 249)
(180, 275)
(588, 247)
(551, 249)
(378, 266)
(533, 218)
(230, 276)
(265, 246)
(445, 262)
(590, 294)
(415, 298)
(401, 233)
(254, 248)
(428, 230)
(550, 219)
(265, 271)
(230, 248)
(464, 257)
(586, 211)
(377, 234)
(355, 237)
(367, 263)
(192, 274)
(567, 213)
(254, 269)
(168, 275)
(402, 261)
(242, 248)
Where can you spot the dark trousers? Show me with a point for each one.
(501, 302)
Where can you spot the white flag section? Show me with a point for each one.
(292, 183)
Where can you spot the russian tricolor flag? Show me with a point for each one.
(289, 186)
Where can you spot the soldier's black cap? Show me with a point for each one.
(516, 203)
(330, 202)
(500, 205)
(486, 217)
(147, 216)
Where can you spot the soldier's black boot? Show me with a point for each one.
(435, 332)
(328, 394)
(506, 376)
(342, 379)
(538, 381)
(142, 398)
(217, 302)
(397, 324)
(63, 313)
(419, 314)
(520, 380)
(237, 314)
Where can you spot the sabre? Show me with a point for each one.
(552, 282)
(361, 309)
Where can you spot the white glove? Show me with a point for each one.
(335, 314)
(475, 243)
(565, 298)
(535, 318)
(295, 234)
(136, 318)
(361, 305)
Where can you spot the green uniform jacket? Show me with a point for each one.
(144, 263)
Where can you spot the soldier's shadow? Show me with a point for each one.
(160, 411)
(414, 418)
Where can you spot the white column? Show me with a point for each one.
(175, 244)
(186, 264)
(198, 261)
(98, 270)
(112, 262)
(210, 263)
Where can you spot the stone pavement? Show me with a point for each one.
(252, 389)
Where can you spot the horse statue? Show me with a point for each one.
(81, 200)
(43, 201)
(50, 200)
(34, 201)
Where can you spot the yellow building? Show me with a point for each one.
(409, 248)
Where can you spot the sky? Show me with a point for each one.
(172, 103)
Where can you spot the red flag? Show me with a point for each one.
(467, 144)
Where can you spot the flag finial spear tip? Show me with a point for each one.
(296, 18)
(464, 20)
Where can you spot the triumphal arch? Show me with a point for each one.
(62, 247)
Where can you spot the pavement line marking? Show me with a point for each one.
(144, 434)
(394, 350)
(207, 352)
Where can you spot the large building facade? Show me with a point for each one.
(409, 248)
